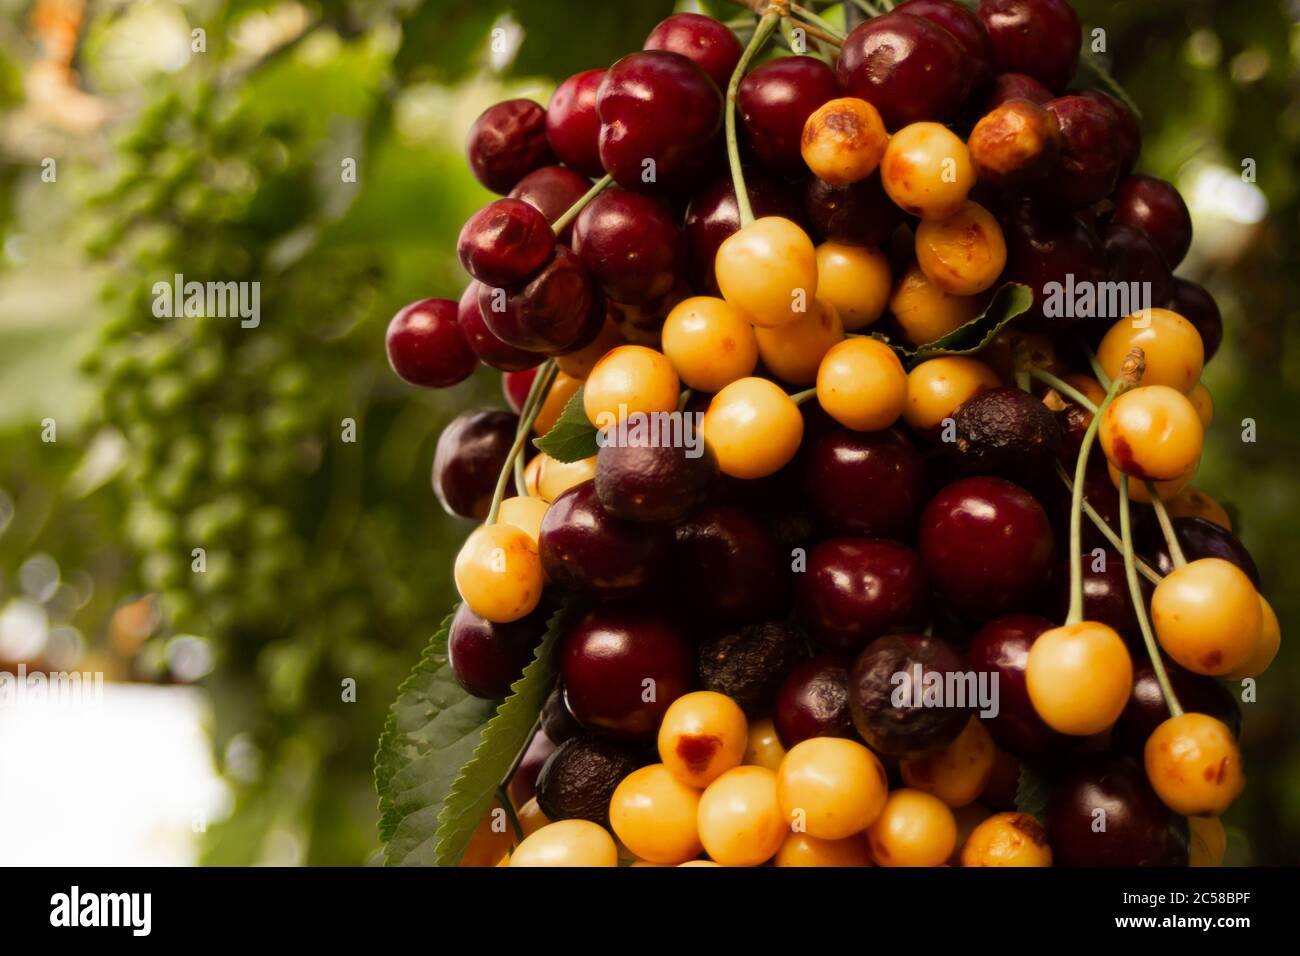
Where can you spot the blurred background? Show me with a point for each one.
(140, 140)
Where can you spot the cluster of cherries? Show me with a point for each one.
(758, 626)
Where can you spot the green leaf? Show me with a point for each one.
(431, 731)
(504, 737)
(573, 436)
(1031, 792)
(1011, 300)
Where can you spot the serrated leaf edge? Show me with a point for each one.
(1014, 310)
(572, 418)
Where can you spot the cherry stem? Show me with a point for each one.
(1139, 603)
(1166, 527)
(1107, 532)
(504, 793)
(1065, 388)
(1100, 373)
(571, 213)
(800, 397)
(527, 416)
(816, 26)
(764, 30)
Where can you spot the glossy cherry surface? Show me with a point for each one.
(1128, 135)
(706, 42)
(713, 216)
(551, 190)
(487, 658)
(586, 549)
(1147, 710)
(484, 343)
(651, 483)
(870, 483)
(556, 311)
(631, 244)
(507, 142)
(856, 589)
(728, 566)
(966, 29)
(504, 242)
(1040, 38)
(1132, 256)
(814, 701)
(471, 451)
(573, 125)
(426, 346)
(907, 67)
(775, 100)
(1202, 538)
(1197, 306)
(860, 213)
(1090, 158)
(557, 723)
(1016, 86)
(887, 695)
(1155, 206)
(1001, 647)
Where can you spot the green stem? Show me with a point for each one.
(810, 16)
(532, 406)
(1140, 604)
(1064, 387)
(1166, 527)
(764, 30)
(1100, 373)
(571, 213)
(800, 397)
(1100, 523)
(683, 399)
(504, 793)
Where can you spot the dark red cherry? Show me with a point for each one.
(870, 483)
(470, 455)
(1040, 38)
(1112, 789)
(1133, 257)
(908, 67)
(515, 386)
(622, 666)
(487, 658)
(586, 549)
(557, 722)
(861, 213)
(556, 311)
(1155, 206)
(713, 216)
(646, 482)
(1016, 86)
(572, 124)
(856, 589)
(660, 122)
(892, 698)
(1001, 647)
(1198, 307)
(750, 663)
(483, 341)
(426, 346)
(966, 27)
(987, 545)
(631, 244)
(814, 701)
(551, 190)
(1105, 593)
(1090, 158)
(523, 784)
(1201, 538)
(1045, 248)
(706, 42)
(505, 242)
(748, 577)
(775, 100)
(1128, 135)
(1146, 708)
(579, 778)
(507, 142)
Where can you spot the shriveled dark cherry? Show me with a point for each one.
(470, 454)
(551, 190)
(426, 346)
(515, 386)
(586, 549)
(1156, 207)
(649, 483)
(487, 658)
(1147, 709)
(1198, 307)
(507, 142)
(1001, 647)
(919, 723)
(573, 125)
(908, 67)
(557, 722)
(1128, 135)
(580, 776)
(870, 483)
(1005, 432)
(1202, 538)
(706, 42)
(1040, 38)
(713, 216)
(556, 311)
(1016, 86)
(860, 213)
(748, 576)
(484, 343)
(814, 701)
(1044, 248)
(632, 246)
(523, 784)
(1105, 593)
(1132, 256)
(606, 659)
(505, 242)
(750, 663)
(856, 589)
(966, 28)
(775, 100)
(1090, 157)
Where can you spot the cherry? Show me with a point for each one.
(1040, 38)
(470, 454)
(516, 386)
(713, 216)
(523, 785)
(1132, 256)
(507, 142)
(426, 346)
(908, 67)
(860, 213)
(1155, 206)
(631, 244)
(728, 565)
(580, 776)
(1147, 710)
(1139, 831)
(484, 342)
(869, 483)
(557, 723)
(966, 28)
(987, 545)
(586, 549)
(660, 118)
(1006, 432)
(558, 310)
(1090, 158)
(1106, 596)
(1198, 307)
(1046, 247)
(551, 190)
(900, 666)
(856, 589)
(1001, 647)
(573, 125)
(775, 100)
(1128, 135)
(487, 658)
(1202, 538)
(706, 42)
(611, 657)
(504, 242)
(749, 664)
(1016, 86)
(649, 483)
(814, 701)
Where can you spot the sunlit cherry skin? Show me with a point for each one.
(1079, 677)
(661, 107)
(1016, 86)
(605, 659)
(964, 253)
(470, 454)
(572, 124)
(1174, 352)
(706, 42)
(713, 216)
(710, 343)
(507, 142)
(1155, 206)
(505, 242)
(927, 170)
(1090, 159)
(855, 280)
(551, 190)
(1194, 765)
(957, 773)
(1146, 709)
(1207, 616)
(426, 346)
(967, 30)
(1152, 433)
(865, 483)
(631, 244)
(1015, 145)
(1007, 839)
(655, 484)
(814, 701)
(1001, 647)
(484, 343)
(1105, 594)
(1140, 830)
(747, 575)
(987, 545)
(1040, 38)
(938, 387)
(1132, 256)
(768, 270)
(753, 427)
(1201, 538)
(908, 67)
(924, 312)
(579, 843)
(1044, 247)
(586, 549)
(498, 573)
(1198, 307)
(556, 311)
(834, 788)
(856, 589)
(906, 728)
(487, 658)
(775, 100)
(1128, 135)
(843, 140)
(859, 213)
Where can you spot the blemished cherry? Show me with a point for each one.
(909, 68)
(653, 483)
(1146, 708)
(551, 190)
(1198, 307)
(573, 125)
(631, 244)
(706, 42)
(1016, 86)
(505, 242)
(558, 310)
(487, 658)
(557, 723)
(1090, 159)
(987, 545)
(1005, 432)
(660, 114)
(1040, 38)
(775, 100)
(470, 454)
(426, 346)
(1001, 647)
(1201, 538)
(860, 213)
(750, 663)
(581, 774)
(1132, 256)
(748, 576)
(814, 701)
(1015, 145)
(966, 28)
(1128, 135)
(713, 216)
(1155, 206)
(915, 725)
(1105, 593)
(484, 343)
(1045, 247)
(586, 549)
(507, 142)
(856, 589)
(870, 483)
(607, 657)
